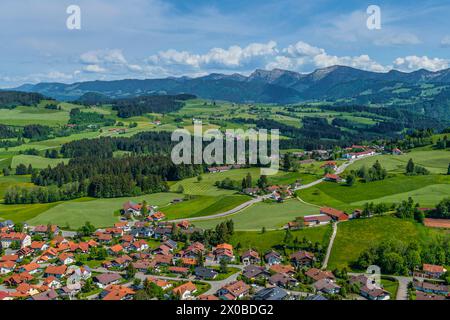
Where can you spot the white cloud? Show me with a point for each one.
(233, 57)
(411, 63)
(94, 68)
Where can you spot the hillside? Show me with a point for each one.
(420, 91)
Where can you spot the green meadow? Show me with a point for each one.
(269, 215)
(36, 161)
(355, 236)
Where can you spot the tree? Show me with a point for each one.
(262, 181)
(131, 271)
(410, 167)
(248, 180)
(350, 180)
(199, 178)
(144, 209)
(448, 170)
(223, 266)
(287, 164)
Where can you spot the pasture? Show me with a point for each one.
(100, 212)
(269, 215)
(355, 236)
(36, 162)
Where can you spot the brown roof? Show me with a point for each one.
(188, 286)
(433, 268)
(318, 274)
(59, 270)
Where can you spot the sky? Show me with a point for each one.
(154, 38)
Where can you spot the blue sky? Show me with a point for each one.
(154, 38)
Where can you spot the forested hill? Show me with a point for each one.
(11, 99)
(420, 91)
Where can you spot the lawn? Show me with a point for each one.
(355, 236)
(100, 212)
(22, 116)
(263, 242)
(24, 212)
(203, 206)
(427, 189)
(434, 160)
(391, 285)
(36, 162)
(269, 215)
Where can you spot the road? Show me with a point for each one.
(330, 246)
(244, 205)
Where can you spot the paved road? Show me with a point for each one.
(330, 246)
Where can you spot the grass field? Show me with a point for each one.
(206, 186)
(390, 285)
(36, 161)
(428, 189)
(24, 212)
(272, 239)
(100, 212)
(203, 206)
(355, 236)
(269, 215)
(9, 181)
(436, 161)
(22, 116)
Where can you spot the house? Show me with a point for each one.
(66, 258)
(21, 239)
(252, 191)
(105, 279)
(179, 270)
(316, 220)
(39, 245)
(317, 274)
(189, 262)
(142, 232)
(302, 258)
(283, 280)
(433, 271)
(52, 282)
(18, 278)
(281, 268)
(44, 230)
(157, 216)
(184, 224)
(116, 249)
(223, 251)
(4, 296)
(124, 225)
(336, 215)
(316, 297)
(194, 250)
(185, 291)
(56, 271)
(272, 258)
(142, 265)
(116, 293)
(274, 293)
(139, 245)
(252, 272)
(374, 293)
(332, 177)
(46, 296)
(430, 287)
(428, 296)
(205, 273)
(396, 152)
(329, 164)
(234, 290)
(207, 297)
(7, 267)
(132, 208)
(163, 284)
(31, 268)
(250, 257)
(326, 285)
(121, 262)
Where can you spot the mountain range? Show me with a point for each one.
(422, 90)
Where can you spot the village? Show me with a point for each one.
(148, 258)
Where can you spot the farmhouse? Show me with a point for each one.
(335, 214)
(374, 293)
(433, 271)
(316, 220)
(332, 177)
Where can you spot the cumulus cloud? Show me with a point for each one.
(411, 63)
(94, 68)
(233, 57)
